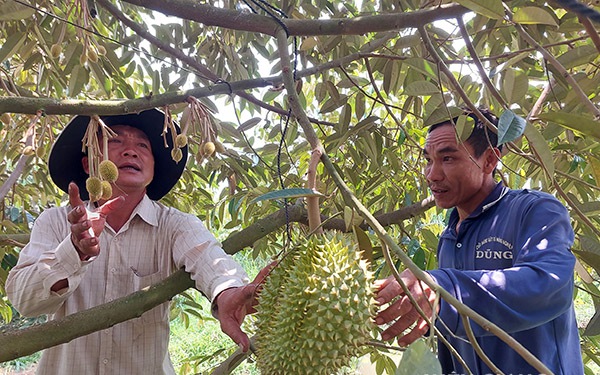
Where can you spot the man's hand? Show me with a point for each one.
(401, 312)
(86, 225)
(235, 303)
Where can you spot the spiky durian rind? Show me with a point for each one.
(315, 310)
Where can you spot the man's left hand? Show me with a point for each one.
(233, 304)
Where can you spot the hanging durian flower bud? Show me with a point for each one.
(106, 190)
(209, 148)
(181, 140)
(176, 154)
(93, 185)
(55, 50)
(108, 171)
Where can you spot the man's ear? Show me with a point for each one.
(84, 163)
(492, 157)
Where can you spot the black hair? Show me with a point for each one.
(481, 137)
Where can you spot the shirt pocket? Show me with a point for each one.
(154, 323)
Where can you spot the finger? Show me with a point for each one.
(77, 214)
(418, 331)
(262, 275)
(400, 325)
(389, 289)
(81, 229)
(111, 205)
(74, 198)
(397, 309)
(231, 327)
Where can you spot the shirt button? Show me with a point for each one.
(113, 270)
(105, 360)
(459, 245)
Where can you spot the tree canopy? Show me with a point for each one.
(355, 81)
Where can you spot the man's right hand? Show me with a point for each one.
(87, 225)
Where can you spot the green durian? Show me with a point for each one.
(315, 310)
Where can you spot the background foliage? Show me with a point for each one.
(370, 76)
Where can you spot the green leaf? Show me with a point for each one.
(579, 123)
(464, 127)
(578, 56)
(540, 147)
(534, 15)
(11, 11)
(442, 113)
(79, 77)
(590, 251)
(419, 88)
(510, 127)
(247, 125)
(11, 45)
(490, 8)
(287, 193)
(418, 359)
(515, 84)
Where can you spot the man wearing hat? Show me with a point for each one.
(80, 256)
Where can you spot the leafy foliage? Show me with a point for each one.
(370, 76)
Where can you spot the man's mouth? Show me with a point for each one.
(438, 190)
(130, 167)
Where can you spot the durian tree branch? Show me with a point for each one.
(244, 21)
(312, 203)
(22, 342)
(296, 213)
(390, 242)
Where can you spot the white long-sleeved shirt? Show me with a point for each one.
(155, 241)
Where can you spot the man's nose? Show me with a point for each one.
(434, 172)
(129, 150)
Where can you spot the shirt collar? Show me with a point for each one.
(146, 211)
(494, 197)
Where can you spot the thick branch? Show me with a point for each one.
(19, 343)
(244, 21)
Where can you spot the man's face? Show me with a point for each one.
(456, 178)
(131, 152)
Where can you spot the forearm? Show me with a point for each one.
(515, 299)
(39, 284)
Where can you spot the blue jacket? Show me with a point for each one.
(511, 263)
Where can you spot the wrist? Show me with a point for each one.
(81, 254)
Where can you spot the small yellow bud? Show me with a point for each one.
(40, 152)
(177, 154)
(101, 50)
(209, 148)
(92, 55)
(219, 147)
(5, 118)
(28, 150)
(93, 185)
(83, 59)
(108, 171)
(106, 190)
(181, 140)
(55, 50)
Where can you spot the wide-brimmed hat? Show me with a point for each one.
(65, 164)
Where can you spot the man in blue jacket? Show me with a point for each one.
(505, 254)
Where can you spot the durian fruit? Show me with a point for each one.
(108, 171)
(315, 309)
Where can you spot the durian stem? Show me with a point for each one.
(312, 203)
